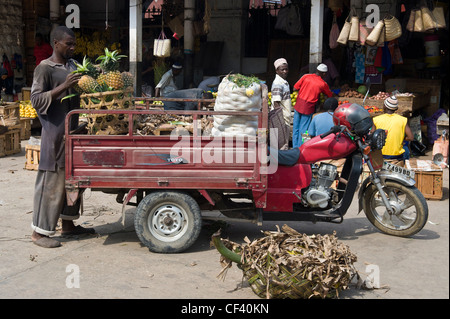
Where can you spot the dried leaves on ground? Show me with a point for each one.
(288, 264)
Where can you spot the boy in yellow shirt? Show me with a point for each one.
(397, 131)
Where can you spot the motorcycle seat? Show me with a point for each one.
(285, 157)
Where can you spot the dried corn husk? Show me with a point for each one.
(287, 264)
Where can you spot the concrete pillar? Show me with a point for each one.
(316, 34)
(189, 16)
(135, 57)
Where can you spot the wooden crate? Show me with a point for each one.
(2, 145)
(428, 176)
(25, 129)
(26, 93)
(10, 113)
(430, 184)
(33, 156)
(12, 142)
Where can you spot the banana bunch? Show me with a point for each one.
(27, 110)
(93, 45)
(158, 103)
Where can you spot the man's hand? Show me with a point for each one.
(71, 80)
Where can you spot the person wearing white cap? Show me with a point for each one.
(309, 88)
(397, 129)
(281, 98)
(167, 84)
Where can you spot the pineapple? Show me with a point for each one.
(127, 78)
(86, 68)
(101, 79)
(88, 84)
(110, 60)
(114, 80)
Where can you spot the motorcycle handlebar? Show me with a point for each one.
(334, 129)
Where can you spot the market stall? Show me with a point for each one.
(401, 54)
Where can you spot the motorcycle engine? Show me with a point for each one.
(318, 194)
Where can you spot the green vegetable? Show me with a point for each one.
(242, 80)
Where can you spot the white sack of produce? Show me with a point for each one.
(237, 93)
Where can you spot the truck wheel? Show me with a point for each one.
(168, 222)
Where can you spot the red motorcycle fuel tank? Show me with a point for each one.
(318, 149)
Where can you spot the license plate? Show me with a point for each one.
(399, 170)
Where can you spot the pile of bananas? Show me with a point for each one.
(92, 45)
(27, 110)
(158, 103)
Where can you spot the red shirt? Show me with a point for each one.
(309, 88)
(42, 52)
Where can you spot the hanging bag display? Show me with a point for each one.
(375, 35)
(162, 46)
(343, 35)
(393, 28)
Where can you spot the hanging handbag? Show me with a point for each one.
(161, 46)
(418, 22)
(334, 34)
(354, 29)
(393, 28)
(382, 37)
(363, 32)
(410, 24)
(427, 18)
(343, 35)
(375, 34)
(439, 17)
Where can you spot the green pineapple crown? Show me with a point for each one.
(86, 68)
(110, 60)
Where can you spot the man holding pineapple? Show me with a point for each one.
(53, 80)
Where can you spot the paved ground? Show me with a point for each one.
(114, 264)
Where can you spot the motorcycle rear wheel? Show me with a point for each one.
(410, 209)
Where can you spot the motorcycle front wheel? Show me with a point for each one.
(410, 209)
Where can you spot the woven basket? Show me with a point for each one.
(111, 100)
(393, 28)
(111, 124)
